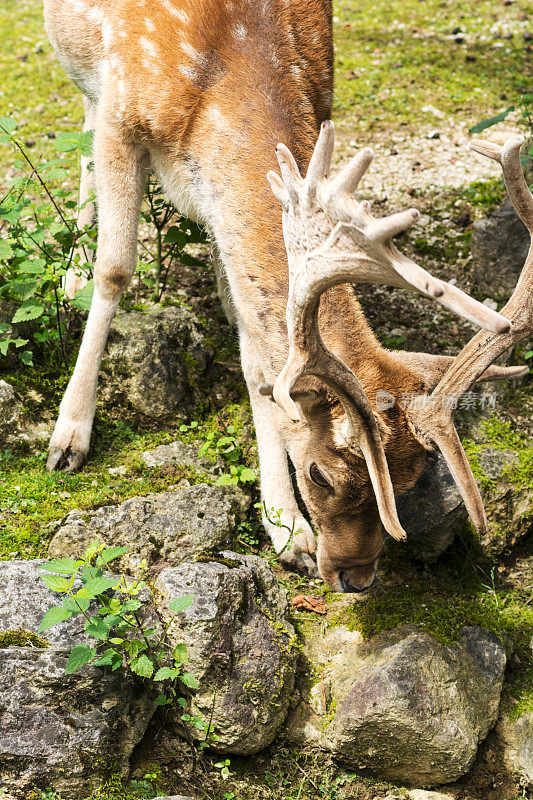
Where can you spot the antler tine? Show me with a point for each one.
(289, 172)
(382, 230)
(320, 160)
(347, 181)
(433, 421)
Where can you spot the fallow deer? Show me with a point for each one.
(201, 92)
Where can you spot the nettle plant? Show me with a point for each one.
(40, 240)
(117, 616)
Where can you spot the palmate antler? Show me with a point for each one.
(332, 239)
(433, 423)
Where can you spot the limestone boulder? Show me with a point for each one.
(241, 645)
(56, 730)
(158, 360)
(402, 706)
(158, 529)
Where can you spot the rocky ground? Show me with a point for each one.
(420, 690)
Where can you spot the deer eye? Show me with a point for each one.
(317, 477)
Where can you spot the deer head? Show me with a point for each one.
(351, 457)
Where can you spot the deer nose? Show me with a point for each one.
(348, 587)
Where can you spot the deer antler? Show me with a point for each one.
(332, 239)
(433, 422)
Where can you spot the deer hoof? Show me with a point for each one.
(65, 460)
(300, 562)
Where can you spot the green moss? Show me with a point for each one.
(21, 638)
(501, 435)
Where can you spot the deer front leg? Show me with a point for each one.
(74, 281)
(290, 532)
(120, 176)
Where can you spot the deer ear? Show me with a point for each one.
(431, 368)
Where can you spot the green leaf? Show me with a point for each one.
(132, 605)
(164, 674)
(28, 310)
(162, 700)
(110, 658)
(224, 480)
(181, 603)
(65, 566)
(35, 266)
(6, 250)
(247, 475)
(98, 628)
(76, 604)
(110, 553)
(180, 653)
(26, 357)
(7, 125)
(58, 584)
(53, 616)
(74, 140)
(142, 666)
(189, 680)
(82, 300)
(97, 586)
(79, 655)
(488, 123)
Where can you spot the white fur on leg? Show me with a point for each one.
(289, 531)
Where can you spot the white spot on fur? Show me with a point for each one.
(149, 24)
(239, 31)
(176, 12)
(148, 47)
(189, 50)
(296, 71)
(107, 33)
(217, 118)
(188, 71)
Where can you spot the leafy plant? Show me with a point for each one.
(225, 444)
(115, 614)
(40, 242)
(171, 241)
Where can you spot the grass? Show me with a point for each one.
(398, 62)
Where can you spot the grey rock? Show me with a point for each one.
(402, 705)
(158, 360)
(241, 645)
(500, 244)
(421, 794)
(57, 730)
(157, 528)
(516, 737)
(14, 426)
(508, 503)
(432, 512)
(182, 454)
